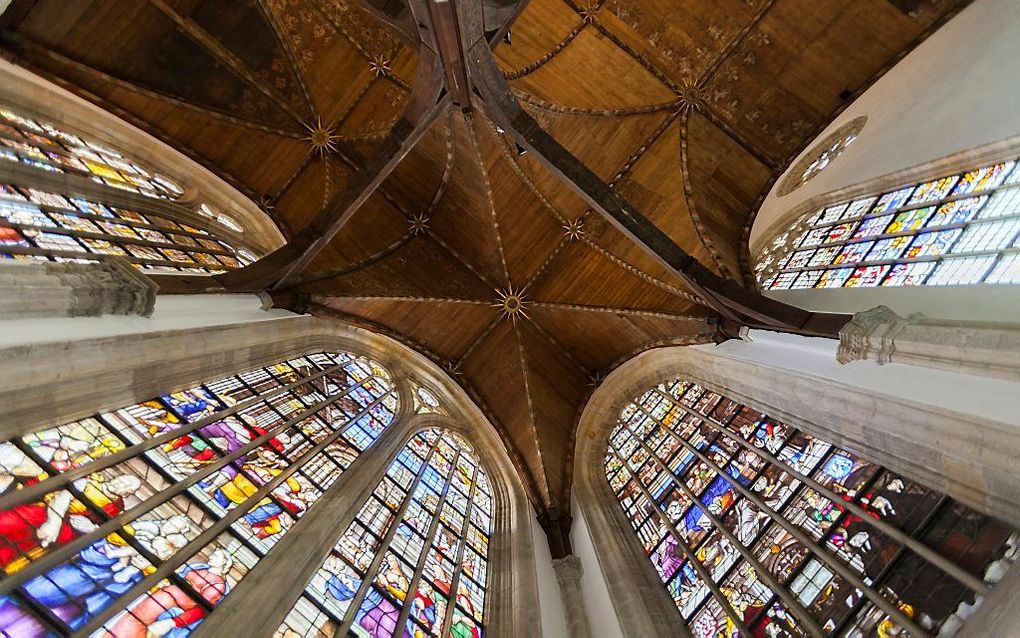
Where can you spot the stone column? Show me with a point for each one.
(568, 574)
(966, 347)
(69, 289)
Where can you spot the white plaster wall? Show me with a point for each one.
(598, 603)
(958, 90)
(982, 397)
(554, 615)
(172, 312)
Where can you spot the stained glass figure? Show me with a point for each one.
(956, 230)
(414, 560)
(241, 457)
(756, 527)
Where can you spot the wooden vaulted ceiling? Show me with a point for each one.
(688, 108)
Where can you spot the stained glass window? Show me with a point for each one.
(824, 153)
(143, 518)
(424, 530)
(38, 223)
(955, 230)
(756, 526)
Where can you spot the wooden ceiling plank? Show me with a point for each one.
(288, 51)
(25, 48)
(204, 39)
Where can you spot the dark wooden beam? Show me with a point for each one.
(395, 17)
(283, 267)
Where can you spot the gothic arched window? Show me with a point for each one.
(141, 519)
(958, 229)
(418, 546)
(756, 527)
(45, 220)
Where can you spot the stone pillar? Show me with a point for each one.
(568, 574)
(69, 289)
(966, 347)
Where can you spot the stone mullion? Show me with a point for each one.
(412, 587)
(783, 593)
(703, 574)
(384, 542)
(965, 578)
(214, 530)
(451, 606)
(64, 552)
(837, 565)
(38, 490)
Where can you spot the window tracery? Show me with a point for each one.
(955, 230)
(425, 529)
(138, 521)
(753, 525)
(39, 223)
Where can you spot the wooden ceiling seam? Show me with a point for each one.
(634, 270)
(628, 166)
(610, 309)
(361, 264)
(537, 275)
(543, 477)
(225, 56)
(288, 51)
(537, 325)
(477, 340)
(27, 45)
(692, 204)
(489, 197)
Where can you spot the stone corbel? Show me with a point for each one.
(111, 286)
(967, 347)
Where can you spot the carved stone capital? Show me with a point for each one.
(870, 331)
(568, 570)
(111, 286)
(968, 347)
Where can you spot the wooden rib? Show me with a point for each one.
(542, 61)
(488, 196)
(709, 72)
(227, 57)
(525, 373)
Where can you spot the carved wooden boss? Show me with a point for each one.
(457, 69)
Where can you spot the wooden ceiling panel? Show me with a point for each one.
(726, 182)
(423, 322)
(464, 219)
(543, 26)
(599, 339)
(527, 246)
(495, 370)
(616, 81)
(556, 389)
(682, 49)
(133, 42)
(421, 268)
(582, 276)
